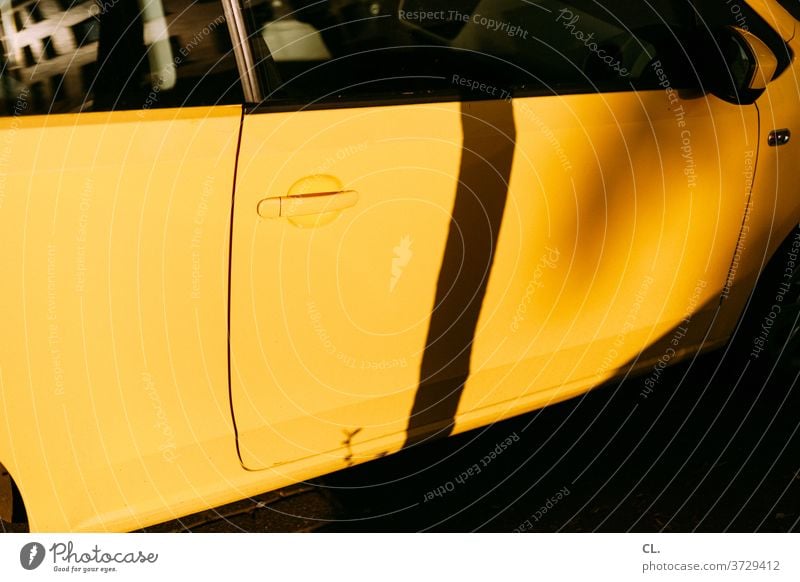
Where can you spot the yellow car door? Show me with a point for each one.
(415, 252)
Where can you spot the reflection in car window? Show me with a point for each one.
(341, 48)
(65, 56)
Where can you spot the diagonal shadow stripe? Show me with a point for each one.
(488, 152)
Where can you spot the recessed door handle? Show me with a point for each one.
(779, 137)
(307, 204)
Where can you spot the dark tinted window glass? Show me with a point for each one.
(326, 50)
(81, 55)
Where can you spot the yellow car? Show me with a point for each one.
(245, 244)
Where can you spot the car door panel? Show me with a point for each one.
(328, 323)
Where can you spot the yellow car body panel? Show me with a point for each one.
(115, 229)
(620, 236)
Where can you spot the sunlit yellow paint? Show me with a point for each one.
(623, 227)
(114, 235)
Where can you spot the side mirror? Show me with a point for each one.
(763, 62)
(741, 65)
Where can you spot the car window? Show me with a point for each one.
(63, 56)
(341, 48)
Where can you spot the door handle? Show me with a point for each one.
(307, 204)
